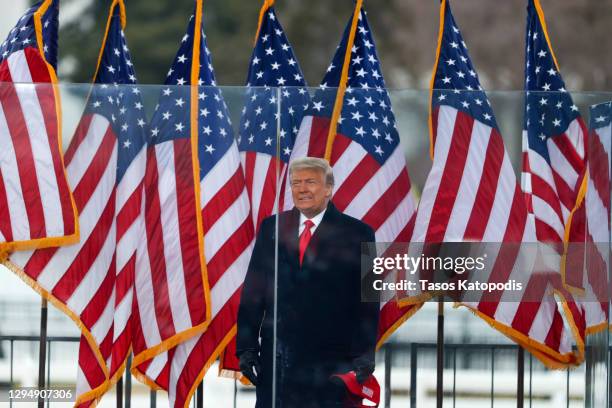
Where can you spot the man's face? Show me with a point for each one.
(310, 192)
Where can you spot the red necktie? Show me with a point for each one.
(305, 238)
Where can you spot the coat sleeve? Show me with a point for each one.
(252, 300)
(364, 337)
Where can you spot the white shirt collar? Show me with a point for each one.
(316, 220)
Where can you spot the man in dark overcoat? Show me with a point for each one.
(323, 327)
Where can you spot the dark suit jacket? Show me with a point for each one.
(320, 313)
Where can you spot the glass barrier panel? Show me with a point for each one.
(208, 254)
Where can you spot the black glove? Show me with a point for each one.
(249, 365)
(363, 367)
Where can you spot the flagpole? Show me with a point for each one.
(152, 399)
(235, 393)
(128, 383)
(200, 395)
(520, 387)
(42, 356)
(119, 391)
(440, 353)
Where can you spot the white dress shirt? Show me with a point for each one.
(316, 220)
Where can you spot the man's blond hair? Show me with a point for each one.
(313, 163)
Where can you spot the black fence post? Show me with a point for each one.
(520, 379)
(388, 352)
(119, 390)
(153, 399)
(440, 353)
(609, 376)
(48, 378)
(530, 380)
(11, 369)
(128, 383)
(235, 393)
(492, 376)
(42, 355)
(200, 396)
(413, 375)
(567, 383)
(454, 376)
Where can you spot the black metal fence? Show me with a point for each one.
(465, 356)
(410, 355)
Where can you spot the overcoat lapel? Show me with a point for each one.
(288, 232)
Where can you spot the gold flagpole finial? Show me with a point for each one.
(121, 12)
(264, 7)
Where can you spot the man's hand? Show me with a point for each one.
(249, 365)
(363, 366)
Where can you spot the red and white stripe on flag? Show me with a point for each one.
(171, 285)
(587, 258)
(114, 325)
(228, 242)
(554, 136)
(92, 281)
(264, 176)
(36, 206)
(597, 203)
(551, 189)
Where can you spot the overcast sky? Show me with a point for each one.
(9, 16)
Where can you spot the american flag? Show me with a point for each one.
(554, 135)
(36, 207)
(554, 143)
(597, 209)
(228, 240)
(273, 72)
(172, 291)
(372, 182)
(274, 79)
(92, 280)
(471, 194)
(587, 256)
